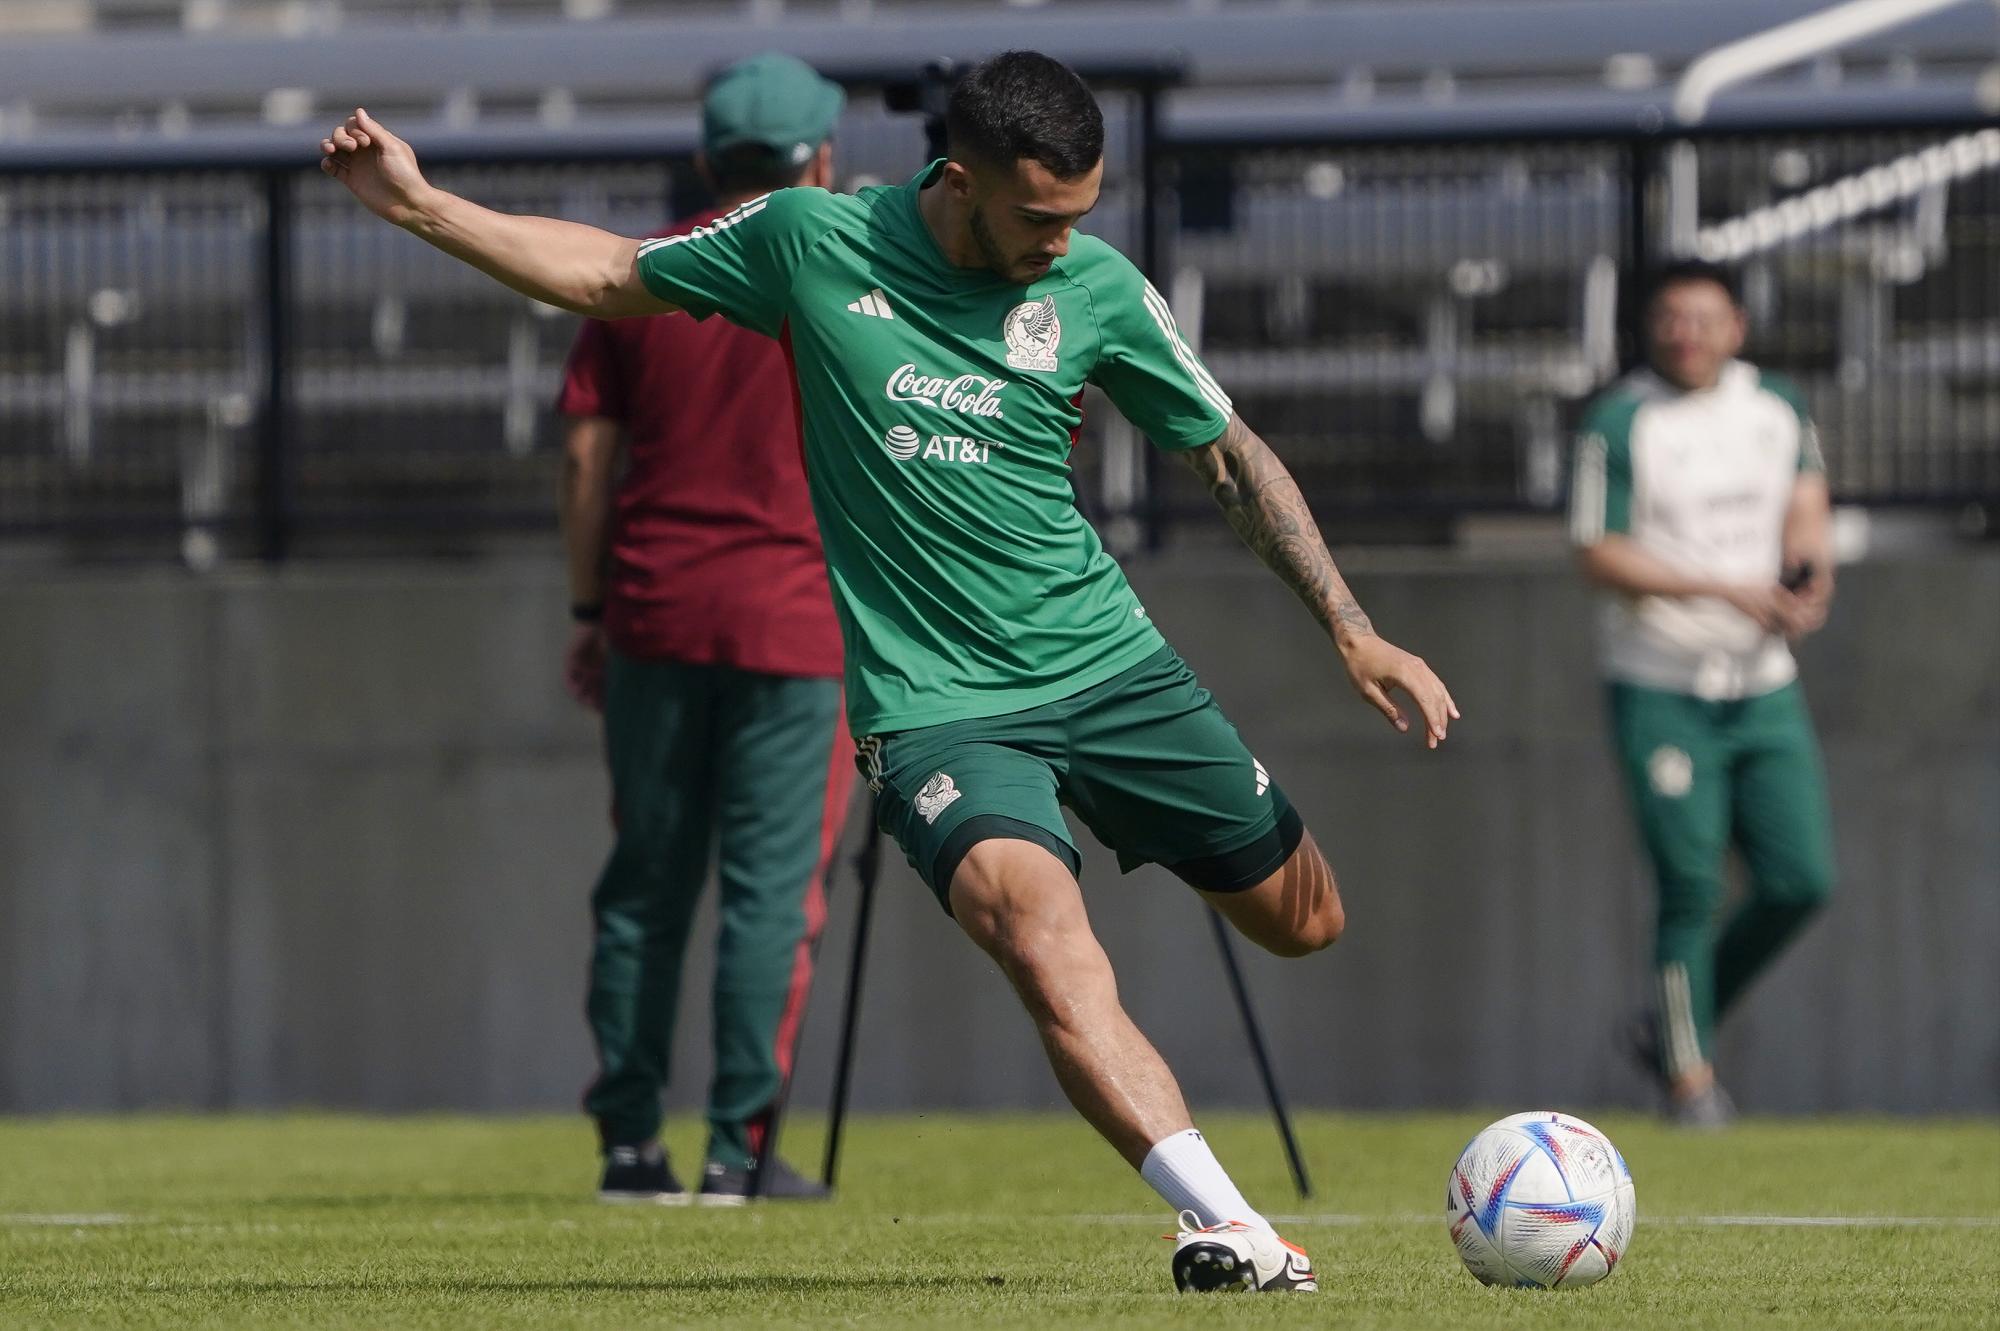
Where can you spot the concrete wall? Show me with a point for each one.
(326, 837)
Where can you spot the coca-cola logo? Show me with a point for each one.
(967, 395)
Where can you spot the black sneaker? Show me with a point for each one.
(640, 1174)
(722, 1185)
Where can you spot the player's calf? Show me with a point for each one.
(1022, 907)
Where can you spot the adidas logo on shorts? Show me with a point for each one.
(868, 756)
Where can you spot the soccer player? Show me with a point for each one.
(999, 667)
(707, 637)
(1700, 504)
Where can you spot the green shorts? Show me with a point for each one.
(1146, 760)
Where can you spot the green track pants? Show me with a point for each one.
(758, 768)
(1705, 775)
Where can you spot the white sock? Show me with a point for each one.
(1186, 1173)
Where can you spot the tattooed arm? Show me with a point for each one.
(1263, 505)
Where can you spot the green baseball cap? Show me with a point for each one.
(774, 100)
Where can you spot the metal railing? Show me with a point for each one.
(1418, 324)
(241, 361)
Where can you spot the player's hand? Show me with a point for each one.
(1774, 609)
(1815, 595)
(377, 166)
(1377, 668)
(1811, 613)
(583, 666)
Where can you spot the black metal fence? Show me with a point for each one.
(213, 362)
(238, 360)
(1417, 325)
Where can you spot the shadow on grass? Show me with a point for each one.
(707, 1284)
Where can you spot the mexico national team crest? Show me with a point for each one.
(938, 792)
(1671, 772)
(1032, 332)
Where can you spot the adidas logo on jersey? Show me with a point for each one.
(874, 305)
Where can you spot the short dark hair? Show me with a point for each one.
(753, 168)
(1677, 271)
(1025, 104)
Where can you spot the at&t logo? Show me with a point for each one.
(903, 444)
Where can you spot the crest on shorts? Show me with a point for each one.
(1671, 772)
(938, 792)
(1032, 332)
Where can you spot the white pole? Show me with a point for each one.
(1789, 43)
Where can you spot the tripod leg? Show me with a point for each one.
(1261, 1054)
(868, 867)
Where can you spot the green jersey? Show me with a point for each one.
(938, 407)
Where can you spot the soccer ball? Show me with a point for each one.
(1541, 1200)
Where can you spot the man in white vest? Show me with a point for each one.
(1700, 507)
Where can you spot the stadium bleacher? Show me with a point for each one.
(1400, 249)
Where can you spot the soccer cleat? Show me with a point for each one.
(1707, 1110)
(723, 1185)
(1232, 1257)
(640, 1174)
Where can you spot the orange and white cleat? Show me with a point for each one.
(1232, 1257)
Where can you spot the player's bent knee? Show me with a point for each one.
(1301, 943)
(1313, 887)
(1804, 889)
(1329, 923)
(1316, 933)
(1295, 912)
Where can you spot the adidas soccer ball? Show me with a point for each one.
(1542, 1200)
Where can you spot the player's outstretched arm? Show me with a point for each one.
(579, 268)
(1263, 504)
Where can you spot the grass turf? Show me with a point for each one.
(948, 1221)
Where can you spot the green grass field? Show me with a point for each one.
(949, 1221)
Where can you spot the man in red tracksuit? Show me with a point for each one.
(707, 637)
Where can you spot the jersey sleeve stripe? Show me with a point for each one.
(1189, 361)
(1586, 504)
(1165, 314)
(749, 209)
(1811, 456)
